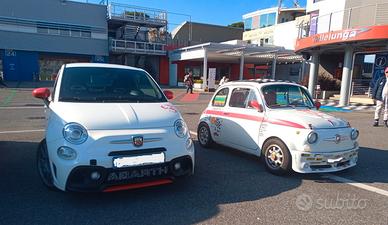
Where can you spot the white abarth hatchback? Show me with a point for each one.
(110, 128)
(279, 121)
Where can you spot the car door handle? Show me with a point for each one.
(225, 113)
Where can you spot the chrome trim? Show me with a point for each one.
(130, 141)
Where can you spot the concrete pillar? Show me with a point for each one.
(346, 77)
(173, 74)
(241, 77)
(275, 59)
(204, 77)
(302, 70)
(313, 75)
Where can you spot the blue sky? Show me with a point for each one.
(221, 12)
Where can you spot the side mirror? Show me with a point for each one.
(42, 93)
(256, 105)
(169, 94)
(317, 105)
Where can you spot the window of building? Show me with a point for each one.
(196, 70)
(75, 33)
(64, 32)
(42, 30)
(267, 20)
(53, 31)
(86, 34)
(248, 24)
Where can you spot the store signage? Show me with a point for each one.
(379, 67)
(212, 78)
(348, 35)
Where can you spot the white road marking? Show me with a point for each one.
(23, 107)
(358, 185)
(193, 133)
(20, 131)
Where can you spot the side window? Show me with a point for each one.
(251, 97)
(239, 97)
(220, 98)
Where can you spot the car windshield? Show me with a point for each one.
(99, 84)
(283, 95)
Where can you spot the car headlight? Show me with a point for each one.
(312, 137)
(75, 133)
(180, 128)
(354, 134)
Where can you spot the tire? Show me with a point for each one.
(276, 157)
(204, 135)
(43, 164)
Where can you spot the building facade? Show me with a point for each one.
(273, 26)
(338, 36)
(38, 37)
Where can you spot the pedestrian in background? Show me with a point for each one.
(189, 82)
(380, 95)
(1, 80)
(223, 80)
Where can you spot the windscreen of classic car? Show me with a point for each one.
(282, 95)
(99, 84)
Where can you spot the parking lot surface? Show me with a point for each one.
(228, 187)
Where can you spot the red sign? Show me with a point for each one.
(348, 35)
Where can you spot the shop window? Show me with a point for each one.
(64, 32)
(196, 70)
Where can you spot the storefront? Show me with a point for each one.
(235, 60)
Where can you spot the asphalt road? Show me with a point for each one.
(228, 187)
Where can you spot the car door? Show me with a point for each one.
(243, 119)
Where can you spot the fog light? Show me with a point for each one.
(95, 175)
(177, 166)
(66, 153)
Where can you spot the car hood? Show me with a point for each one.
(117, 116)
(306, 118)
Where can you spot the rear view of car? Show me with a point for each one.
(111, 128)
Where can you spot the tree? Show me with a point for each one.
(237, 24)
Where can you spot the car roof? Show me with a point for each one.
(258, 82)
(101, 65)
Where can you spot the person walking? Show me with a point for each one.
(189, 82)
(380, 95)
(223, 80)
(1, 80)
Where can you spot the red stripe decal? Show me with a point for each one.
(138, 185)
(254, 118)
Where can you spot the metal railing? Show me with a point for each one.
(136, 14)
(126, 46)
(366, 15)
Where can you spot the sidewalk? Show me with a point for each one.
(352, 106)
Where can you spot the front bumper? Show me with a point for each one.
(308, 162)
(81, 178)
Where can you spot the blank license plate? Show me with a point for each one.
(138, 160)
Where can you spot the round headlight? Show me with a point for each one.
(66, 153)
(312, 137)
(354, 134)
(180, 128)
(75, 133)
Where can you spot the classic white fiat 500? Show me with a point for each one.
(110, 128)
(279, 121)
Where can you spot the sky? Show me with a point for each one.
(220, 12)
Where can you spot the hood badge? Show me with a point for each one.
(137, 141)
(337, 138)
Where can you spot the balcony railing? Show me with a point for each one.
(136, 14)
(137, 47)
(367, 15)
